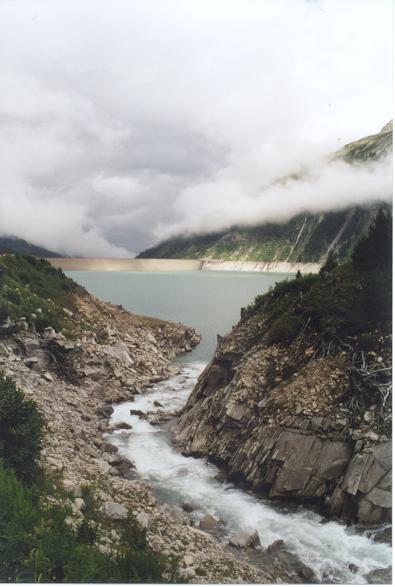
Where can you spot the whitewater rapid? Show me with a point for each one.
(326, 547)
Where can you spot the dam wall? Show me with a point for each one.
(267, 267)
(68, 264)
(100, 264)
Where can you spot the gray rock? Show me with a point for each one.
(243, 539)
(176, 515)
(144, 520)
(72, 488)
(137, 413)
(208, 523)
(105, 411)
(108, 447)
(122, 426)
(118, 351)
(115, 511)
(380, 498)
(380, 576)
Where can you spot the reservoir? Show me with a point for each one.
(209, 301)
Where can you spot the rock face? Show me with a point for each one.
(285, 420)
(76, 404)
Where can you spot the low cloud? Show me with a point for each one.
(225, 201)
(124, 124)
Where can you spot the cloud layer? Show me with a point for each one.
(123, 123)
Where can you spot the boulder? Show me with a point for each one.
(208, 523)
(144, 520)
(118, 351)
(243, 539)
(138, 413)
(72, 488)
(105, 411)
(380, 576)
(108, 447)
(115, 511)
(124, 466)
(176, 515)
(122, 426)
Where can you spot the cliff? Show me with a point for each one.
(305, 238)
(296, 401)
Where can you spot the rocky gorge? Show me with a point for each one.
(284, 407)
(113, 356)
(297, 405)
(296, 402)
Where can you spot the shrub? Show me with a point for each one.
(374, 251)
(367, 341)
(37, 545)
(21, 430)
(285, 328)
(4, 312)
(13, 296)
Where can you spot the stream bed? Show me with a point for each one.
(327, 547)
(211, 302)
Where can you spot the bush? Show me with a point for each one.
(21, 430)
(37, 544)
(285, 328)
(374, 251)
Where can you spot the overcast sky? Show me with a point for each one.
(127, 121)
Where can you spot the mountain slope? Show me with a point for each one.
(304, 238)
(18, 245)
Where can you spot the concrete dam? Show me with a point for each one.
(101, 264)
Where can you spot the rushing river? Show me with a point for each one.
(211, 303)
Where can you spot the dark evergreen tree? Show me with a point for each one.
(374, 251)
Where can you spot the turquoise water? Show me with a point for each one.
(210, 301)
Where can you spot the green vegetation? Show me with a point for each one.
(32, 288)
(305, 238)
(353, 299)
(22, 247)
(21, 431)
(38, 542)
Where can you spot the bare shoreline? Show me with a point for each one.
(102, 264)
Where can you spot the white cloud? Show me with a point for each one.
(124, 122)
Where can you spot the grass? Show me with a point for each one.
(32, 288)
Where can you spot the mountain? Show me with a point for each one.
(17, 245)
(304, 238)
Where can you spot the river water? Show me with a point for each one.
(211, 303)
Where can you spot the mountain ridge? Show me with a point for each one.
(304, 238)
(23, 247)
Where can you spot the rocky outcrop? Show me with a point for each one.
(289, 420)
(74, 381)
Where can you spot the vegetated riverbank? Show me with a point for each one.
(68, 264)
(297, 399)
(97, 355)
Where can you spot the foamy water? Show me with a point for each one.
(328, 548)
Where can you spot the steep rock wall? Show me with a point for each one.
(281, 418)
